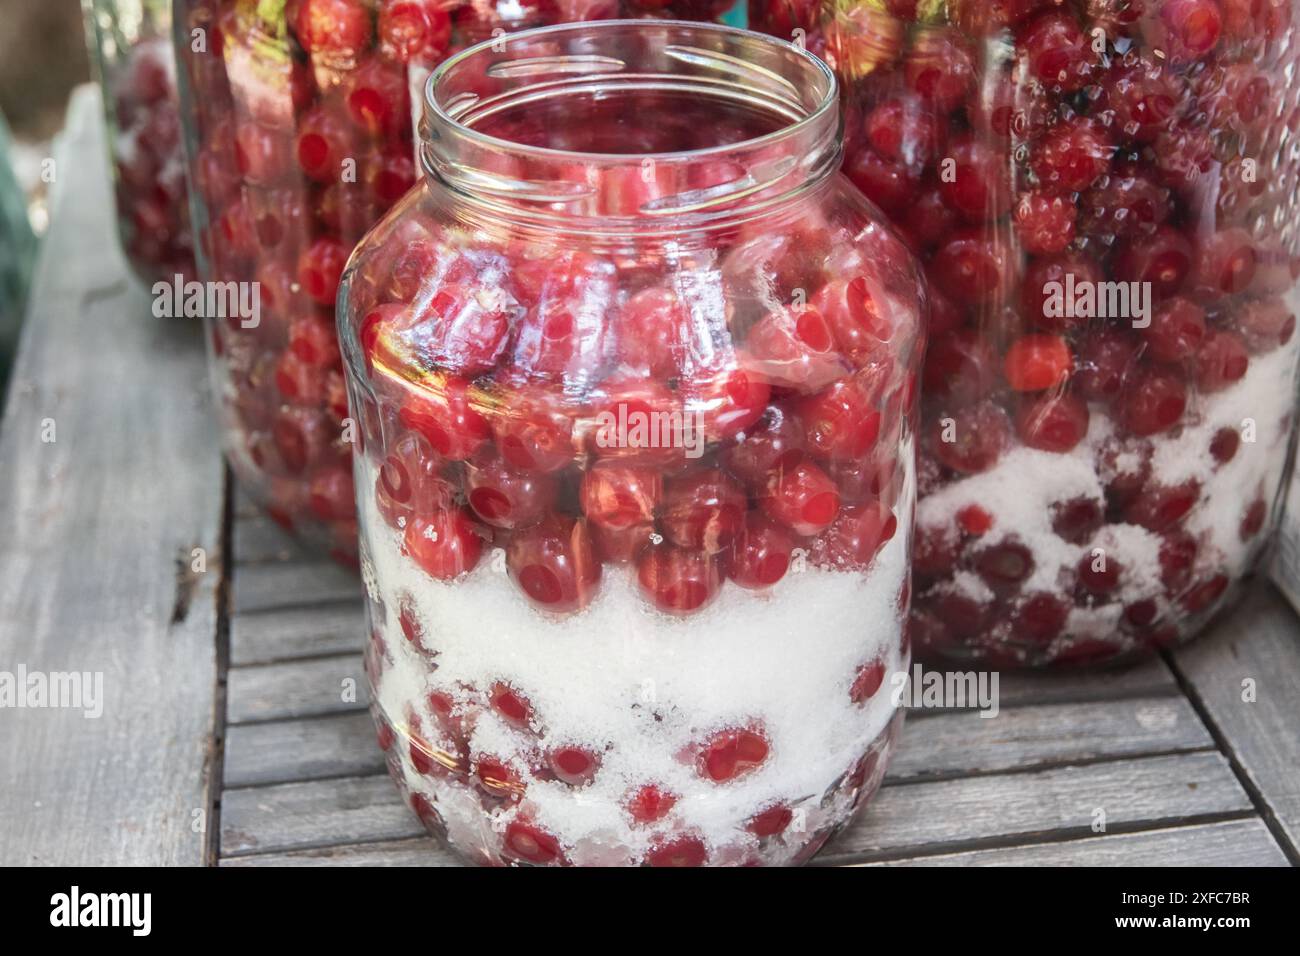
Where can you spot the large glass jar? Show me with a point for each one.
(131, 51)
(299, 136)
(1104, 196)
(635, 369)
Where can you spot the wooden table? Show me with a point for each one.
(227, 736)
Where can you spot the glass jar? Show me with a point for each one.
(299, 136)
(635, 369)
(1103, 193)
(131, 53)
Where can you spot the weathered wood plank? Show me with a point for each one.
(288, 633)
(955, 743)
(1146, 679)
(418, 851)
(1132, 793)
(292, 584)
(1229, 843)
(256, 539)
(295, 689)
(902, 820)
(285, 751)
(97, 530)
(320, 813)
(1259, 644)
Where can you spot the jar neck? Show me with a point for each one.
(630, 127)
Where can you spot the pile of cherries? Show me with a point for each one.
(493, 369)
(300, 140)
(1032, 142)
(152, 207)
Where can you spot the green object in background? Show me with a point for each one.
(737, 16)
(17, 254)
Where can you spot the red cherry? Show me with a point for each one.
(1071, 156)
(1187, 29)
(639, 421)
(1151, 401)
(1077, 520)
(391, 177)
(775, 441)
(443, 544)
(1044, 222)
(856, 319)
(959, 367)
(681, 851)
(802, 497)
(1129, 201)
(1177, 555)
(728, 402)
(868, 680)
(468, 330)
(338, 27)
(409, 482)
(841, 422)
(926, 222)
(330, 495)
(262, 155)
(618, 496)
(653, 331)
(732, 753)
(324, 141)
(677, 580)
(513, 706)
(1163, 258)
(319, 268)
(796, 349)
(976, 182)
(760, 553)
(1205, 593)
(1176, 331)
(1039, 618)
(973, 267)
(979, 435)
(974, 520)
(299, 382)
(575, 766)
(1159, 507)
(498, 778)
(856, 536)
(530, 843)
(1264, 324)
(1043, 289)
(1099, 574)
(1052, 422)
(1221, 361)
(504, 496)
(1106, 361)
(301, 436)
(621, 545)
(313, 340)
(533, 431)
(770, 822)
(555, 564)
(1005, 566)
(448, 418)
(1037, 362)
(1253, 521)
(1057, 52)
(939, 68)
(903, 130)
(1225, 263)
(703, 509)
(887, 183)
(649, 804)
(376, 97)
(414, 30)
(1142, 97)
(1224, 444)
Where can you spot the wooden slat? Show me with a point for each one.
(289, 633)
(946, 814)
(295, 689)
(418, 851)
(298, 815)
(1229, 843)
(293, 584)
(958, 743)
(1145, 679)
(1259, 643)
(96, 533)
(294, 750)
(256, 539)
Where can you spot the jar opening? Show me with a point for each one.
(630, 119)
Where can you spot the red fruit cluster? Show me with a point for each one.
(148, 160)
(498, 413)
(1117, 142)
(300, 139)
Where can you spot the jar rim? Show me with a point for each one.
(827, 105)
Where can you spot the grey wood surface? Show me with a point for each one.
(96, 533)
